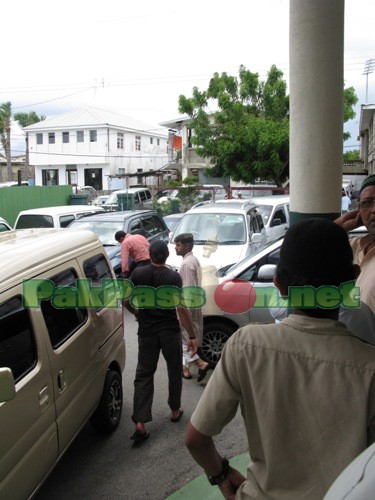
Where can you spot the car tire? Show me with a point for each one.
(215, 335)
(108, 413)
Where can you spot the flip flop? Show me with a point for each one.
(187, 375)
(202, 373)
(139, 438)
(179, 412)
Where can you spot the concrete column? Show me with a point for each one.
(316, 107)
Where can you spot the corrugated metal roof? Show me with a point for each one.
(95, 117)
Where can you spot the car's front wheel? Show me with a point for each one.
(215, 335)
(108, 413)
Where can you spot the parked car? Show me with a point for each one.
(216, 191)
(100, 200)
(4, 226)
(129, 199)
(275, 212)
(222, 234)
(258, 269)
(60, 216)
(105, 225)
(172, 220)
(60, 367)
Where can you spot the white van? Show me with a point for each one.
(223, 234)
(275, 212)
(53, 216)
(130, 199)
(61, 353)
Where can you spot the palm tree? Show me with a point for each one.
(25, 119)
(5, 123)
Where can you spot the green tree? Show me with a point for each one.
(5, 127)
(350, 100)
(25, 119)
(248, 136)
(352, 155)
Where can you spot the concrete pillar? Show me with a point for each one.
(316, 107)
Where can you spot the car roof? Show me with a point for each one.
(270, 200)
(213, 208)
(130, 190)
(43, 246)
(115, 216)
(64, 209)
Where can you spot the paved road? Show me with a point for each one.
(109, 467)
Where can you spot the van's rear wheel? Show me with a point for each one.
(108, 413)
(215, 335)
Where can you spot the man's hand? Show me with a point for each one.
(192, 346)
(229, 487)
(350, 220)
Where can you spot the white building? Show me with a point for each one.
(95, 147)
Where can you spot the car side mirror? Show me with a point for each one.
(7, 385)
(256, 238)
(267, 272)
(276, 222)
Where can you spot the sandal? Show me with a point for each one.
(186, 374)
(138, 437)
(176, 415)
(202, 373)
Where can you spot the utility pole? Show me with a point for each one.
(369, 68)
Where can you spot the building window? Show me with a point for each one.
(65, 137)
(158, 142)
(140, 178)
(137, 142)
(151, 140)
(51, 137)
(93, 135)
(120, 141)
(121, 171)
(80, 136)
(39, 138)
(50, 177)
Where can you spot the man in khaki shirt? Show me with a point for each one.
(306, 386)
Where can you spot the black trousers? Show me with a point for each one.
(169, 343)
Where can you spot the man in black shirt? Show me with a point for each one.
(158, 330)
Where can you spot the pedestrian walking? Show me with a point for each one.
(158, 330)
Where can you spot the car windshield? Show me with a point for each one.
(222, 228)
(112, 198)
(264, 249)
(265, 211)
(105, 231)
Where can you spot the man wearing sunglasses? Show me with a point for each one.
(364, 246)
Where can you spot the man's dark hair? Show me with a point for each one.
(159, 252)
(185, 239)
(119, 234)
(315, 252)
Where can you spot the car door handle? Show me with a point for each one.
(61, 381)
(44, 397)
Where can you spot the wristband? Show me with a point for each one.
(215, 480)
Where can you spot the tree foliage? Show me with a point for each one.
(350, 100)
(5, 128)
(247, 135)
(25, 119)
(352, 155)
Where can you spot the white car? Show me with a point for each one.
(4, 226)
(275, 212)
(222, 235)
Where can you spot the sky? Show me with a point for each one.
(137, 58)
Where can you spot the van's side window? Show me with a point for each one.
(65, 220)
(142, 195)
(17, 342)
(96, 268)
(62, 322)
